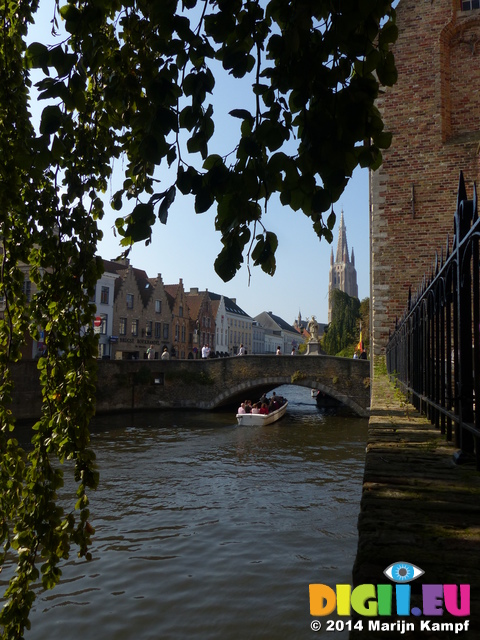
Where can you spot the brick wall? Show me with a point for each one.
(433, 114)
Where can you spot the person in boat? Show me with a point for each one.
(264, 399)
(248, 406)
(264, 409)
(274, 404)
(241, 408)
(256, 408)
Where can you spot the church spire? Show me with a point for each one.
(342, 247)
(343, 274)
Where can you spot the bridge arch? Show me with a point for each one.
(242, 390)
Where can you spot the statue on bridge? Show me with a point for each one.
(312, 328)
(313, 344)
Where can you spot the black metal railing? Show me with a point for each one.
(434, 352)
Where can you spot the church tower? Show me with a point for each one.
(343, 274)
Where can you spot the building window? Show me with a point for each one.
(129, 300)
(27, 288)
(158, 326)
(134, 327)
(158, 306)
(148, 329)
(122, 331)
(165, 331)
(104, 294)
(177, 333)
(468, 5)
(180, 312)
(183, 333)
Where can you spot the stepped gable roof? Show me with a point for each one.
(171, 291)
(144, 285)
(195, 304)
(230, 305)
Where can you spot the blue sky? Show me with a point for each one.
(186, 247)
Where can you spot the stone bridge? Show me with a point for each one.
(206, 384)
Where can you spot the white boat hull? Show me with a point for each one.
(259, 419)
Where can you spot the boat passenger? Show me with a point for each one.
(241, 408)
(264, 409)
(256, 408)
(248, 406)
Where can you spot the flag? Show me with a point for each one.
(360, 342)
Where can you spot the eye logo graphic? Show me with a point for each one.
(402, 572)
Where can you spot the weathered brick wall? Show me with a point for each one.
(124, 385)
(433, 114)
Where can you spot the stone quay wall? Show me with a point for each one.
(204, 384)
(419, 507)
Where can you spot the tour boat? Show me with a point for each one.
(260, 419)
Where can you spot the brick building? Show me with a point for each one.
(202, 320)
(432, 112)
(142, 315)
(182, 338)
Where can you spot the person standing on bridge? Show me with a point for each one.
(241, 351)
(279, 351)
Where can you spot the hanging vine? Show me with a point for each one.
(132, 79)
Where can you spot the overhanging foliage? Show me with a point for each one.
(132, 80)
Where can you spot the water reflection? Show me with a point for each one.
(208, 530)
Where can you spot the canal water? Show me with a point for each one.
(207, 530)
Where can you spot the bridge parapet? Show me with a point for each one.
(207, 384)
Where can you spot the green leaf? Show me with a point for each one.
(166, 204)
(117, 202)
(243, 114)
(37, 56)
(203, 200)
(51, 120)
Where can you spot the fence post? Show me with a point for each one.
(463, 217)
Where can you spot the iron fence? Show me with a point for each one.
(434, 352)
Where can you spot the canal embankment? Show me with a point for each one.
(417, 507)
